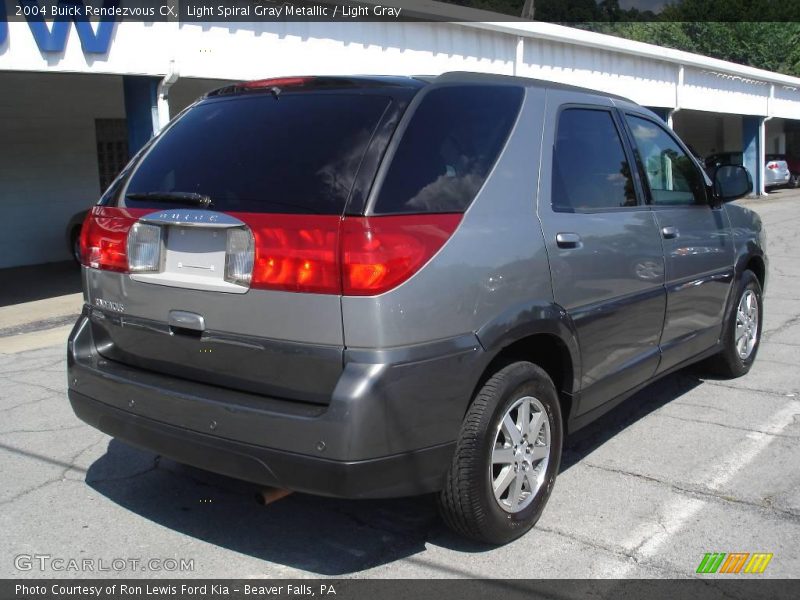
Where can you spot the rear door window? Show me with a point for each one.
(446, 152)
(296, 153)
(590, 170)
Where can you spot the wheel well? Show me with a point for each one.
(546, 351)
(756, 265)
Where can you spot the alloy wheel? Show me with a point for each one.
(746, 324)
(520, 454)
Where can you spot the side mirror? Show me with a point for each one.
(731, 182)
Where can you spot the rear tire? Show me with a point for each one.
(75, 244)
(742, 331)
(496, 450)
(794, 180)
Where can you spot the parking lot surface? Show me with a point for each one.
(689, 465)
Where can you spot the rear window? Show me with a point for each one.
(296, 153)
(448, 149)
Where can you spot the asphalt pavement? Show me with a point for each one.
(689, 465)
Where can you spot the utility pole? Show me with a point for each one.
(527, 10)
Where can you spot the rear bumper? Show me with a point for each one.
(404, 474)
(388, 430)
(772, 178)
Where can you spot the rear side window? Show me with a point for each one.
(590, 170)
(295, 153)
(448, 149)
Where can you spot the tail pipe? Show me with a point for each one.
(269, 495)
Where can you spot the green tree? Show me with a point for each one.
(770, 46)
(758, 33)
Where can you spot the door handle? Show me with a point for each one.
(568, 240)
(670, 233)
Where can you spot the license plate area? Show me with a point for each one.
(194, 259)
(196, 252)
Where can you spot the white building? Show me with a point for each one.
(77, 100)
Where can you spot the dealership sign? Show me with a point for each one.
(53, 37)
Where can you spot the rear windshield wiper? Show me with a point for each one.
(191, 198)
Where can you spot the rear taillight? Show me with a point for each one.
(379, 253)
(239, 256)
(295, 253)
(772, 165)
(104, 237)
(354, 256)
(144, 248)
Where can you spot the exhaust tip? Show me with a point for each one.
(269, 495)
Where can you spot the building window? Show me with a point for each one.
(112, 149)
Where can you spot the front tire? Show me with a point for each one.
(742, 332)
(507, 457)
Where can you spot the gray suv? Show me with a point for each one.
(369, 287)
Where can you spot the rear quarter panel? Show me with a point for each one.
(495, 259)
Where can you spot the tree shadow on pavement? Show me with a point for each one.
(324, 536)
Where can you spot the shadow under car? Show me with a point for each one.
(324, 536)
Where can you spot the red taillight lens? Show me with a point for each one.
(355, 256)
(295, 253)
(772, 166)
(104, 237)
(379, 253)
